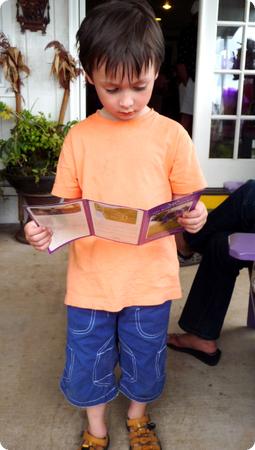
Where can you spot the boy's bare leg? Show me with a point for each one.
(96, 420)
(136, 410)
(189, 340)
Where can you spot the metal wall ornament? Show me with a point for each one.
(33, 15)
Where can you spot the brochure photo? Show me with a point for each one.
(116, 222)
(163, 220)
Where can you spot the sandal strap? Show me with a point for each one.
(142, 435)
(138, 423)
(91, 442)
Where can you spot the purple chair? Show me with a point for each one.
(242, 246)
(231, 186)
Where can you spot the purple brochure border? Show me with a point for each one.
(194, 197)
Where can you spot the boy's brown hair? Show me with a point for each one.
(120, 34)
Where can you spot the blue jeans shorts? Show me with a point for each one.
(134, 338)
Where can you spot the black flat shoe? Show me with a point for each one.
(211, 359)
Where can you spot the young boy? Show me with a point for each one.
(118, 294)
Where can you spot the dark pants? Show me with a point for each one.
(212, 288)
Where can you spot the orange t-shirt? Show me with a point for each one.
(138, 163)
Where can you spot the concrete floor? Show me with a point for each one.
(202, 408)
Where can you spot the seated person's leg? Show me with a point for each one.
(207, 303)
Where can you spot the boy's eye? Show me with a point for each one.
(139, 88)
(111, 90)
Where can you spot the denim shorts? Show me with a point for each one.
(97, 341)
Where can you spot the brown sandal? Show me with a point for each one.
(142, 435)
(90, 442)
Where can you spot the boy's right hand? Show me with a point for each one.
(37, 236)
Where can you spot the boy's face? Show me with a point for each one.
(121, 97)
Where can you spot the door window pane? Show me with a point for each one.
(228, 43)
(231, 10)
(248, 104)
(247, 139)
(225, 94)
(250, 49)
(222, 139)
(252, 12)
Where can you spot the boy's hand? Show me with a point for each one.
(37, 236)
(193, 221)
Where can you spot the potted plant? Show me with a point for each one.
(29, 156)
(12, 62)
(64, 69)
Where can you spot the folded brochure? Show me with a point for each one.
(76, 219)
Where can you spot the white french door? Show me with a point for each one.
(76, 13)
(224, 109)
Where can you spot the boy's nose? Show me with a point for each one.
(126, 101)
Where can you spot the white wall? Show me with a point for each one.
(40, 90)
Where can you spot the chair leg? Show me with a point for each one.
(251, 307)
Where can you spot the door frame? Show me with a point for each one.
(76, 13)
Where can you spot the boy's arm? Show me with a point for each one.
(182, 246)
(191, 221)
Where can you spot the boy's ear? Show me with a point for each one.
(88, 79)
(156, 75)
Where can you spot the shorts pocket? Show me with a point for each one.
(146, 326)
(80, 321)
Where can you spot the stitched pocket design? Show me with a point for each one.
(140, 318)
(105, 363)
(160, 362)
(87, 324)
(70, 358)
(128, 363)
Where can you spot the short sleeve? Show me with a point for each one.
(66, 182)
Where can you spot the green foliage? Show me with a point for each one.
(6, 113)
(34, 145)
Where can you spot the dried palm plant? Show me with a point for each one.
(12, 61)
(65, 70)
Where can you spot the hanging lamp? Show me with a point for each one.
(167, 5)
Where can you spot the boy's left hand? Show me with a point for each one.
(193, 221)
